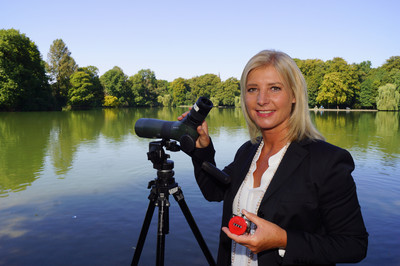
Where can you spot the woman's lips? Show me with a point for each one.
(265, 112)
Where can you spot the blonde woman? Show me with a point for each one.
(296, 189)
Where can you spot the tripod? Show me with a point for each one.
(161, 188)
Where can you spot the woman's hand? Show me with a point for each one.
(267, 235)
(204, 139)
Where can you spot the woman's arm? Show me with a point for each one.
(344, 237)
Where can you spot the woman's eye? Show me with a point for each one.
(275, 88)
(251, 89)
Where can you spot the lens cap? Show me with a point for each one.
(237, 225)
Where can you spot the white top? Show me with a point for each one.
(249, 198)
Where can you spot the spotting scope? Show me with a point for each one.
(184, 131)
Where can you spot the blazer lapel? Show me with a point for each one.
(292, 158)
(242, 171)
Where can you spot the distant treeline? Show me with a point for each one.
(28, 83)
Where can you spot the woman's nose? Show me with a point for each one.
(263, 97)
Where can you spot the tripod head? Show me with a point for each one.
(158, 156)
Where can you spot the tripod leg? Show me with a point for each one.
(143, 232)
(178, 195)
(163, 227)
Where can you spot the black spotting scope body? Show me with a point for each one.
(184, 131)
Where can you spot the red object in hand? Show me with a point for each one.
(238, 225)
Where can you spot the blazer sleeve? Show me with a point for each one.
(344, 237)
(211, 189)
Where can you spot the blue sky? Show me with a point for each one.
(187, 38)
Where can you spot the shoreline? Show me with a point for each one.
(343, 110)
(313, 109)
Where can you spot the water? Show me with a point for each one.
(73, 185)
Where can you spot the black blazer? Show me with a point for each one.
(312, 196)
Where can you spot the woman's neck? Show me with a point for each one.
(274, 142)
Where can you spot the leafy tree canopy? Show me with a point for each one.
(25, 86)
(116, 83)
(23, 81)
(388, 98)
(144, 85)
(179, 88)
(60, 66)
(334, 90)
(86, 90)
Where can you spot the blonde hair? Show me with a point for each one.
(300, 125)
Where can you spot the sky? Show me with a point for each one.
(184, 38)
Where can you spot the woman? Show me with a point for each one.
(295, 188)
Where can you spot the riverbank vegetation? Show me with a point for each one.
(28, 83)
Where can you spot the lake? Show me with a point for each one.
(73, 185)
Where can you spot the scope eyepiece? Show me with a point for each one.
(198, 113)
(184, 131)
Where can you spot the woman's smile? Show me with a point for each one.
(268, 99)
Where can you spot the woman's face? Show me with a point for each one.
(268, 99)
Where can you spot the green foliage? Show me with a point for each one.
(227, 91)
(388, 98)
(163, 87)
(164, 100)
(81, 92)
(333, 90)
(23, 81)
(116, 83)
(60, 66)
(393, 63)
(368, 94)
(97, 89)
(111, 101)
(313, 71)
(336, 83)
(25, 86)
(346, 85)
(205, 85)
(179, 88)
(144, 85)
(238, 101)
(86, 90)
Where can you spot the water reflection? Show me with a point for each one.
(71, 181)
(361, 130)
(28, 139)
(23, 146)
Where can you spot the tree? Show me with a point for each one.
(179, 89)
(60, 66)
(98, 90)
(367, 94)
(163, 87)
(227, 91)
(111, 101)
(164, 93)
(392, 63)
(333, 90)
(23, 81)
(388, 98)
(364, 68)
(313, 71)
(205, 85)
(86, 90)
(116, 83)
(164, 100)
(345, 78)
(81, 92)
(352, 80)
(144, 85)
